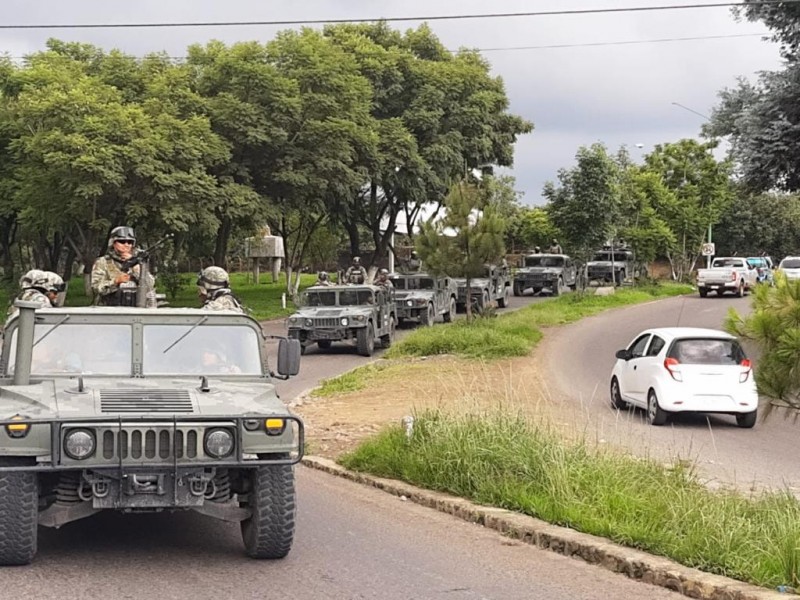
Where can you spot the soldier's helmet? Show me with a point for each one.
(122, 232)
(383, 272)
(322, 275)
(26, 281)
(413, 254)
(213, 278)
(45, 281)
(356, 260)
(53, 283)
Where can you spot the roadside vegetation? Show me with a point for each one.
(262, 300)
(508, 461)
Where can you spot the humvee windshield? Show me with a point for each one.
(355, 297)
(606, 256)
(414, 283)
(319, 299)
(544, 261)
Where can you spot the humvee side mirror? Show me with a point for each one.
(288, 357)
(624, 354)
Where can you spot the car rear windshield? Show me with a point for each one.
(791, 263)
(544, 261)
(707, 351)
(728, 262)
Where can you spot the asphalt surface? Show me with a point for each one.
(580, 357)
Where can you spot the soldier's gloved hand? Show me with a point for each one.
(122, 278)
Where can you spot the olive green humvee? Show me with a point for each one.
(143, 410)
(345, 313)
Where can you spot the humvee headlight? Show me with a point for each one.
(79, 444)
(292, 319)
(218, 443)
(344, 321)
(275, 426)
(359, 317)
(409, 303)
(309, 322)
(17, 430)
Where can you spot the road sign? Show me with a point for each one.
(708, 249)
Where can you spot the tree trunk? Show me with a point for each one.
(223, 237)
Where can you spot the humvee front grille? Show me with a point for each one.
(326, 322)
(145, 401)
(153, 443)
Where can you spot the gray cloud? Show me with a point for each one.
(575, 96)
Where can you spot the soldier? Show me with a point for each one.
(323, 279)
(356, 273)
(215, 292)
(114, 281)
(383, 279)
(537, 250)
(555, 247)
(41, 287)
(413, 264)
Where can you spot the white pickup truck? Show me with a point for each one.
(727, 275)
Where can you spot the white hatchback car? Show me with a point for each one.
(683, 369)
(790, 267)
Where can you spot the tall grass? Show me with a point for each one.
(504, 460)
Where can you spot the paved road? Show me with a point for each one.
(580, 358)
(317, 365)
(352, 542)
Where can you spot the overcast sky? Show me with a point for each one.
(616, 94)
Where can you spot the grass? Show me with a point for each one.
(263, 300)
(352, 381)
(501, 459)
(516, 333)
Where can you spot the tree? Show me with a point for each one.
(642, 226)
(756, 224)
(467, 238)
(586, 205)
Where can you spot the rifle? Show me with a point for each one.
(142, 258)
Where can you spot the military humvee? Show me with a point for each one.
(343, 313)
(620, 262)
(495, 285)
(555, 272)
(143, 410)
(424, 297)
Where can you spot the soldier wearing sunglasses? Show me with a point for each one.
(114, 280)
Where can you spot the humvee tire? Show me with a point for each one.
(365, 340)
(518, 289)
(503, 302)
(451, 311)
(19, 510)
(558, 288)
(386, 340)
(428, 317)
(269, 532)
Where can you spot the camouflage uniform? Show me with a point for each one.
(555, 248)
(222, 299)
(356, 274)
(215, 294)
(384, 281)
(32, 295)
(413, 264)
(105, 271)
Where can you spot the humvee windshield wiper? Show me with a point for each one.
(52, 329)
(193, 327)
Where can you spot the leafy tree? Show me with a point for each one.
(642, 226)
(586, 203)
(467, 238)
(529, 227)
(756, 224)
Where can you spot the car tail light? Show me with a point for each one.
(733, 275)
(671, 365)
(748, 368)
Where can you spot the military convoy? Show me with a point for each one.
(139, 410)
(554, 272)
(612, 265)
(494, 286)
(360, 314)
(424, 298)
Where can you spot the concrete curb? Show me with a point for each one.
(634, 564)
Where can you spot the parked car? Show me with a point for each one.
(727, 274)
(763, 269)
(790, 267)
(684, 369)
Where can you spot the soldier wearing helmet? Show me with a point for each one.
(356, 273)
(383, 279)
(215, 292)
(41, 287)
(114, 281)
(323, 279)
(413, 264)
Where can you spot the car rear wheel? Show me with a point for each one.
(746, 420)
(451, 311)
(616, 397)
(19, 510)
(269, 531)
(365, 340)
(740, 290)
(655, 414)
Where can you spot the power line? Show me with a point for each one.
(521, 48)
(545, 13)
(624, 42)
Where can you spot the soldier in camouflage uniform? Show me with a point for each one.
(356, 273)
(215, 291)
(323, 279)
(41, 287)
(110, 273)
(413, 264)
(383, 279)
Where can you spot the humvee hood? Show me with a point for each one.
(180, 396)
(544, 270)
(333, 311)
